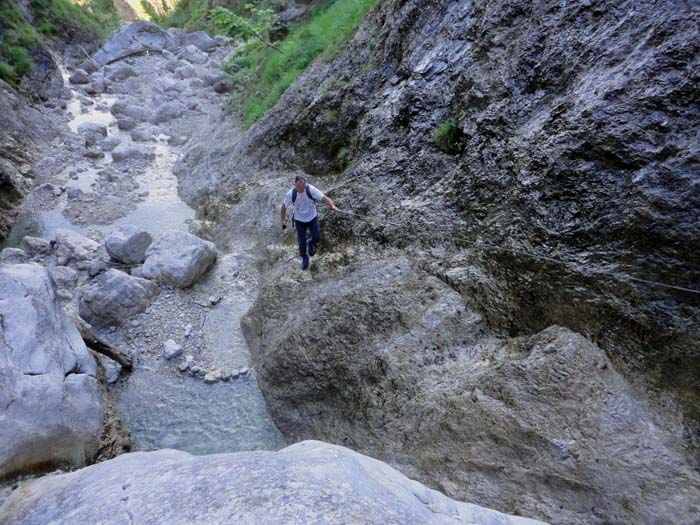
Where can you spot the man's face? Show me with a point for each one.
(299, 185)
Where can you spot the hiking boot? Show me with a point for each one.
(310, 247)
(304, 262)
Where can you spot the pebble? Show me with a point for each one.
(244, 371)
(171, 349)
(188, 330)
(212, 377)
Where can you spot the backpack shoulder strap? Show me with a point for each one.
(308, 193)
(294, 195)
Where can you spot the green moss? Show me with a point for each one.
(7, 72)
(449, 137)
(264, 74)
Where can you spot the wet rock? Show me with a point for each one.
(110, 143)
(126, 123)
(71, 247)
(114, 297)
(128, 244)
(193, 55)
(87, 128)
(178, 258)
(79, 77)
(171, 350)
(73, 193)
(167, 111)
(49, 400)
(36, 246)
(199, 39)
(246, 487)
(93, 153)
(134, 38)
(130, 151)
(142, 134)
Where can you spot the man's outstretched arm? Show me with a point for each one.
(283, 215)
(329, 203)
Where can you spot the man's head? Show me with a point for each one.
(299, 183)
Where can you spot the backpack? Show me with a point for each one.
(308, 194)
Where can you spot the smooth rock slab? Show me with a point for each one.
(128, 244)
(131, 38)
(178, 258)
(115, 296)
(307, 483)
(50, 410)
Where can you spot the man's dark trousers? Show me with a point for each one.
(313, 226)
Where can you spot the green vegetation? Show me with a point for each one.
(263, 74)
(449, 137)
(52, 18)
(191, 15)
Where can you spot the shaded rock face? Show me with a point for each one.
(310, 482)
(573, 137)
(387, 359)
(23, 132)
(128, 244)
(49, 401)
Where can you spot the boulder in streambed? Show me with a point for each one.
(50, 411)
(185, 71)
(79, 77)
(128, 244)
(134, 38)
(36, 246)
(114, 297)
(178, 258)
(130, 151)
(142, 134)
(309, 482)
(125, 123)
(72, 247)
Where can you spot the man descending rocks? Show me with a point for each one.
(302, 197)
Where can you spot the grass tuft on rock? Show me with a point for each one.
(449, 137)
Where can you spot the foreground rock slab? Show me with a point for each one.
(310, 482)
(178, 258)
(50, 412)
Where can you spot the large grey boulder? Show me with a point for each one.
(133, 38)
(307, 483)
(129, 151)
(178, 258)
(114, 297)
(128, 244)
(50, 412)
(36, 246)
(395, 363)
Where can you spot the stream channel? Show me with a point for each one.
(161, 406)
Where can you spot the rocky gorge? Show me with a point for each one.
(504, 309)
